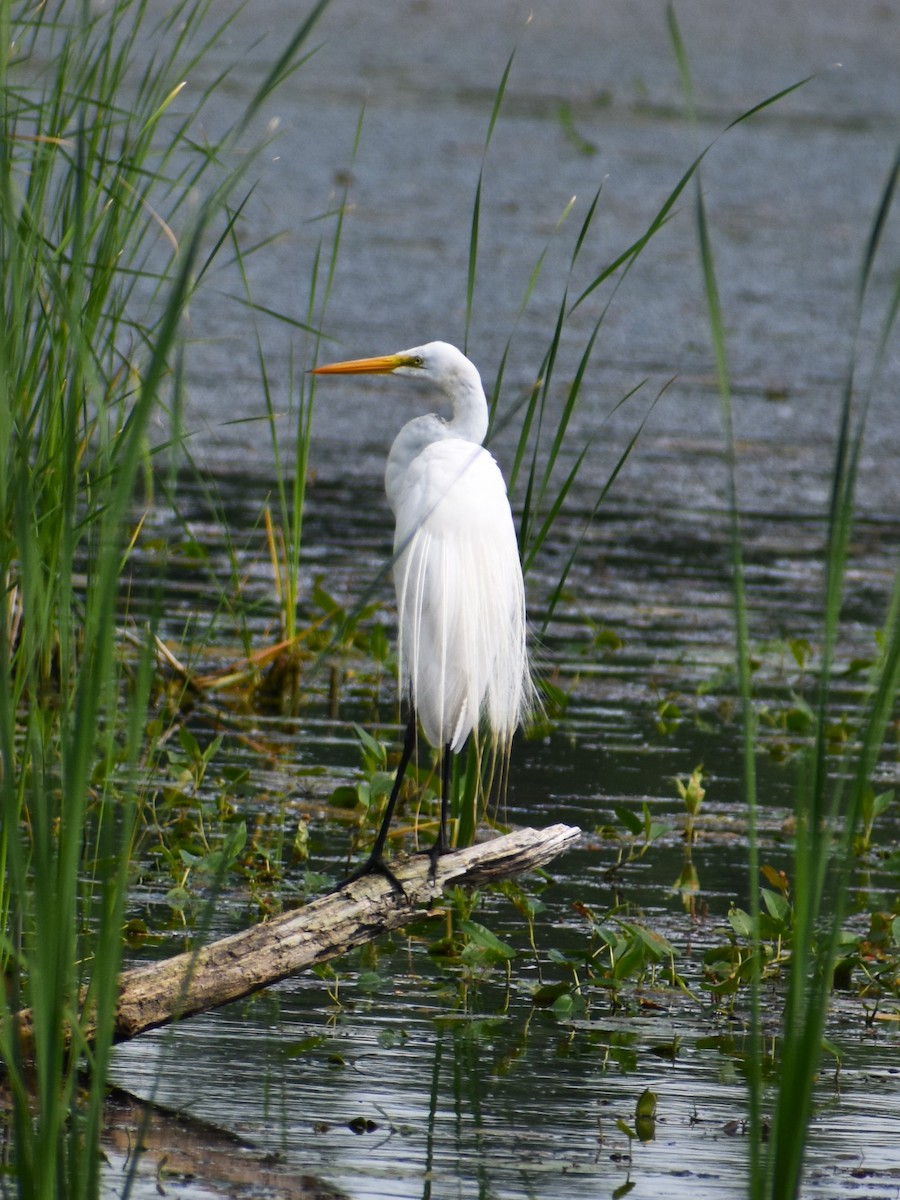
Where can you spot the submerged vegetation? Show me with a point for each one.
(117, 778)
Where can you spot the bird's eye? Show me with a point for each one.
(418, 360)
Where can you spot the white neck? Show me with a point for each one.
(462, 388)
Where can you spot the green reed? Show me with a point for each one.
(546, 467)
(830, 796)
(109, 202)
(291, 489)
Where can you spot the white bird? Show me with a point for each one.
(460, 593)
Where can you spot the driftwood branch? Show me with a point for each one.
(242, 963)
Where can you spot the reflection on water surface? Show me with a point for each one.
(399, 1075)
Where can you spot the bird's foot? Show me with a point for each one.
(434, 852)
(374, 865)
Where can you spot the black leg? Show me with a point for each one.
(442, 841)
(375, 861)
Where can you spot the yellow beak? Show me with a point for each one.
(382, 365)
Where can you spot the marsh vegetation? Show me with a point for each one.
(200, 720)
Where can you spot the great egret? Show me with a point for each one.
(460, 594)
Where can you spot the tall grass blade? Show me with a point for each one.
(476, 207)
(758, 1182)
(681, 58)
(830, 803)
(744, 676)
(563, 575)
(106, 205)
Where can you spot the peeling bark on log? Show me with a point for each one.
(255, 958)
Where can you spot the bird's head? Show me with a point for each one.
(438, 362)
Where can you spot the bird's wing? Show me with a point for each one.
(460, 594)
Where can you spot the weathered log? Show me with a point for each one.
(245, 962)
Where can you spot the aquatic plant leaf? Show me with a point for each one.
(369, 981)
(563, 1006)
(741, 922)
(630, 820)
(688, 881)
(646, 1104)
(777, 905)
(345, 796)
(777, 879)
(487, 940)
(548, 993)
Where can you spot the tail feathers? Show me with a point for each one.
(463, 646)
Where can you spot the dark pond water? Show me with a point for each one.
(397, 1078)
(467, 1087)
